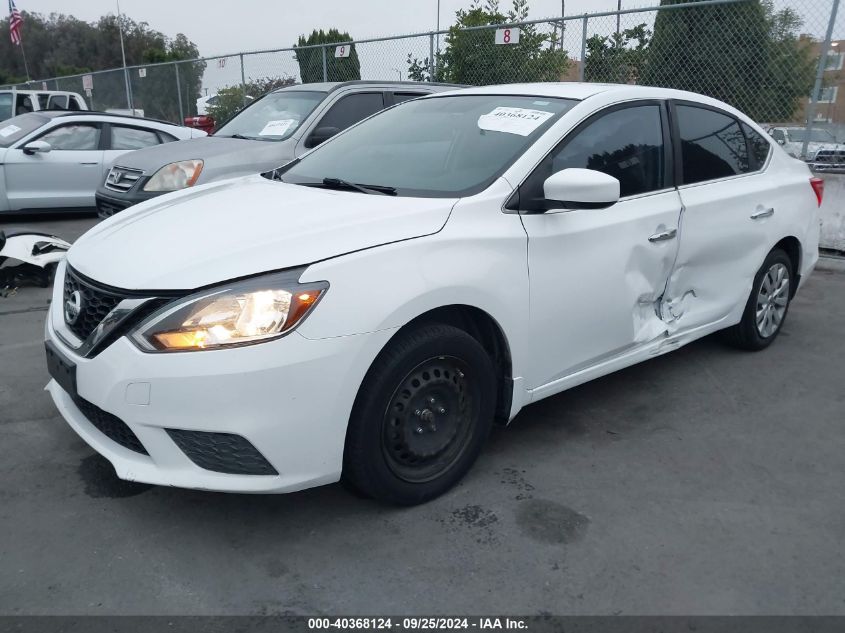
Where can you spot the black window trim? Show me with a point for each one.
(390, 96)
(676, 142)
(512, 204)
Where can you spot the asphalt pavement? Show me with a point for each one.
(707, 481)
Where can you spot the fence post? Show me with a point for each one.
(431, 68)
(325, 70)
(817, 87)
(584, 48)
(243, 80)
(179, 94)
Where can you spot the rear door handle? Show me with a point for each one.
(764, 213)
(94, 163)
(663, 235)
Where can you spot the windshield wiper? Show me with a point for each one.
(337, 183)
(240, 136)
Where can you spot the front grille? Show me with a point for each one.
(94, 304)
(107, 207)
(222, 452)
(110, 425)
(831, 157)
(122, 179)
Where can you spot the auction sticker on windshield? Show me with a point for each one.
(522, 121)
(9, 130)
(277, 128)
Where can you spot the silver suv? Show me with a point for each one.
(823, 152)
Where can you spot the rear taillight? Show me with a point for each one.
(818, 188)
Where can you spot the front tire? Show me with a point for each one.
(421, 416)
(767, 306)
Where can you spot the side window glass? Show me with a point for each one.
(74, 137)
(626, 144)
(351, 109)
(73, 104)
(132, 138)
(24, 104)
(43, 99)
(758, 147)
(57, 102)
(712, 145)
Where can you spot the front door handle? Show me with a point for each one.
(663, 235)
(764, 213)
(94, 163)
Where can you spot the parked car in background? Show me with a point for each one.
(55, 160)
(203, 119)
(369, 310)
(14, 102)
(823, 152)
(270, 132)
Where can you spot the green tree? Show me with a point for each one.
(231, 99)
(59, 45)
(619, 58)
(745, 54)
(472, 57)
(310, 60)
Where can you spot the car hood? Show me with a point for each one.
(224, 157)
(235, 228)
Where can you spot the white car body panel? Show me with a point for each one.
(575, 294)
(299, 224)
(20, 246)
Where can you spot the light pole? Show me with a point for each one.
(398, 71)
(123, 55)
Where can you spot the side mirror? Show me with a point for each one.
(37, 147)
(320, 135)
(581, 189)
(781, 141)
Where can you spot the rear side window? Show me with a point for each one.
(57, 102)
(626, 144)
(6, 106)
(712, 145)
(353, 108)
(132, 137)
(758, 147)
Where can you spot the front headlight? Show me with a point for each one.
(250, 311)
(176, 176)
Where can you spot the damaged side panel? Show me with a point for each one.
(721, 248)
(596, 279)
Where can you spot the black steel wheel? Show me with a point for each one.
(421, 416)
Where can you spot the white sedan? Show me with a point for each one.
(368, 311)
(54, 160)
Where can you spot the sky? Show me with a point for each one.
(219, 27)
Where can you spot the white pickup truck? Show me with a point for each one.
(823, 152)
(14, 102)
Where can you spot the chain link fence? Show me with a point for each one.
(769, 58)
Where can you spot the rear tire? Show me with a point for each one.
(767, 306)
(421, 416)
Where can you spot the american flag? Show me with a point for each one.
(15, 23)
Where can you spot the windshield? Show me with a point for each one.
(5, 105)
(14, 129)
(797, 134)
(435, 147)
(274, 117)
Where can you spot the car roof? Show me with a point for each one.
(54, 114)
(581, 90)
(331, 86)
(42, 92)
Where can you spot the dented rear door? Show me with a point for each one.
(727, 224)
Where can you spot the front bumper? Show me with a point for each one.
(111, 202)
(289, 398)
